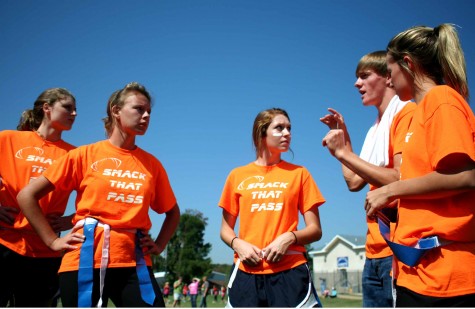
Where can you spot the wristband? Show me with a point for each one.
(296, 240)
(231, 245)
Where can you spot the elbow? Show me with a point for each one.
(471, 181)
(355, 184)
(318, 235)
(21, 199)
(353, 187)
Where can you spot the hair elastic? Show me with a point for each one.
(231, 245)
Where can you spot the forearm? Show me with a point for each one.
(308, 234)
(227, 232)
(312, 231)
(378, 176)
(169, 227)
(433, 185)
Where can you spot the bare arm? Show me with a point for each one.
(335, 122)
(431, 186)
(356, 171)
(172, 218)
(312, 232)
(28, 200)
(248, 253)
(376, 175)
(61, 223)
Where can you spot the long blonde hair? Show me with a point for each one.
(436, 51)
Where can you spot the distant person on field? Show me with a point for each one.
(177, 291)
(204, 292)
(193, 289)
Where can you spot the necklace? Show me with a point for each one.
(44, 138)
(40, 135)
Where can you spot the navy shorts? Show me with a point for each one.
(288, 288)
(29, 281)
(408, 298)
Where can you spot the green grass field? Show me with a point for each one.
(326, 302)
(338, 302)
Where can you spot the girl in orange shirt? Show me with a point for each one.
(116, 183)
(270, 268)
(437, 169)
(28, 267)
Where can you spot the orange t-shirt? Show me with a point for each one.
(443, 124)
(267, 200)
(25, 156)
(376, 246)
(115, 186)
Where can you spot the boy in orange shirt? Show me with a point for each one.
(377, 165)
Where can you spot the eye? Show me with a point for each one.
(69, 108)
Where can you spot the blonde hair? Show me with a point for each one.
(436, 51)
(375, 61)
(117, 98)
(31, 119)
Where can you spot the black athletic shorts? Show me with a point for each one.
(289, 288)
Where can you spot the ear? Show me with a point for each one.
(46, 108)
(388, 81)
(115, 111)
(410, 64)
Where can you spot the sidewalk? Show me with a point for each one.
(350, 296)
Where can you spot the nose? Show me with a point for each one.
(358, 83)
(286, 132)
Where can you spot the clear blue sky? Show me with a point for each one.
(211, 66)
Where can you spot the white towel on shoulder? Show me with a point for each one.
(375, 148)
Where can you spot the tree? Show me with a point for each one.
(187, 254)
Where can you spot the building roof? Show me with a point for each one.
(355, 242)
(217, 278)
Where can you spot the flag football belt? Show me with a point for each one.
(86, 263)
(409, 255)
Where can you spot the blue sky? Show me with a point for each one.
(211, 66)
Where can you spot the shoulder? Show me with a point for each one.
(147, 157)
(443, 94)
(440, 96)
(408, 109)
(15, 133)
(242, 169)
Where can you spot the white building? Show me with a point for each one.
(340, 263)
